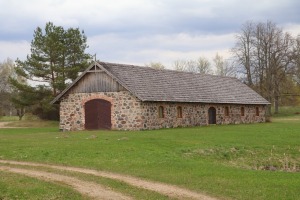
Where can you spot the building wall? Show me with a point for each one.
(125, 111)
(196, 114)
(129, 113)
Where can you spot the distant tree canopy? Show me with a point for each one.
(156, 65)
(201, 65)
(6, 70)
(57, 55)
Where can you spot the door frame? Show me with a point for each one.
(102, 121)
(212, 115)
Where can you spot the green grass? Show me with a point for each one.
(8, 118)
(27, 121)
(287, 111)
(13, 186)
(230, 161)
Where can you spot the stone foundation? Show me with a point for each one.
(129, 113)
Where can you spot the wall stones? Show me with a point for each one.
(196, 114)
(129, 113)
(125, 110)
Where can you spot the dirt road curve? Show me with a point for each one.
(92, 190)
(165, 189)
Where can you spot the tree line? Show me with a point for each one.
(219, 66)
(264, 57)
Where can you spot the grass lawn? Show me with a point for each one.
(22, 187)
(253, 161)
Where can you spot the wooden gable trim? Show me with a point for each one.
(93, 68)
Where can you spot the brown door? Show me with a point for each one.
(97, 114)
(212, 115)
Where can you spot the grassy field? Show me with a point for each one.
(253, 161)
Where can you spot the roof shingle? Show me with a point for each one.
(150, 84)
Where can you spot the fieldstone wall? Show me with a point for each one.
(125, 110)
(196, 114)
(129, 113)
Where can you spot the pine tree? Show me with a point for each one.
(57, 56)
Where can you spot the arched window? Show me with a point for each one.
(257, 111)
(212, 117)
(179, 112)
(161, 112)
(226, 111)
(242, 111)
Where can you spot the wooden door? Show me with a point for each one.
(212, 115)
(97, 114)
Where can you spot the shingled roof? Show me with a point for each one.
(149, 84)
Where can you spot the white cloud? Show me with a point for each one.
(159, 48)
(141, 31)
(14, 50)
(294, 29)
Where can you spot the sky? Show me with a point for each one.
(143, 31)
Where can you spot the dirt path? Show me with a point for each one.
(93, 190)
(165, 189)
(3, 125)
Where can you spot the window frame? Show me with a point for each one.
(179, 112)
(256, 111)
(242, 111)
(226, 111)
(161, 113)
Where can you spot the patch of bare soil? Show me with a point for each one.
(165, 189)
(92, 190)
(4, 125)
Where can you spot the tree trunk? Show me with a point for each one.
(21, 113)
(276, 104)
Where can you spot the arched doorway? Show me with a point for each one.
(97, 114)
(212, 115)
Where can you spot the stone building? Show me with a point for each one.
(127, 97)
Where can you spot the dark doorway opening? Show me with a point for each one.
(212, 115)
(97, 114)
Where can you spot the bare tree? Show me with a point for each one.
(224, 67)
(6, 71)
(265, 52)
(156, 65)
(203, 66)
(296, 59)
(243, 50)
(180, 65)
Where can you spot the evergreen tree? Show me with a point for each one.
(57, 55)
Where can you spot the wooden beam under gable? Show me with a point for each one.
(95, 68)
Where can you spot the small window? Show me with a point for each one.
(257, 111)
(161, 112)
(179, 112)
(226, 111)
(242, 111)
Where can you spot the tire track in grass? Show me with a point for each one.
(92, 190)
(162, 188)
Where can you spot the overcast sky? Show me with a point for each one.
(143, 31)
